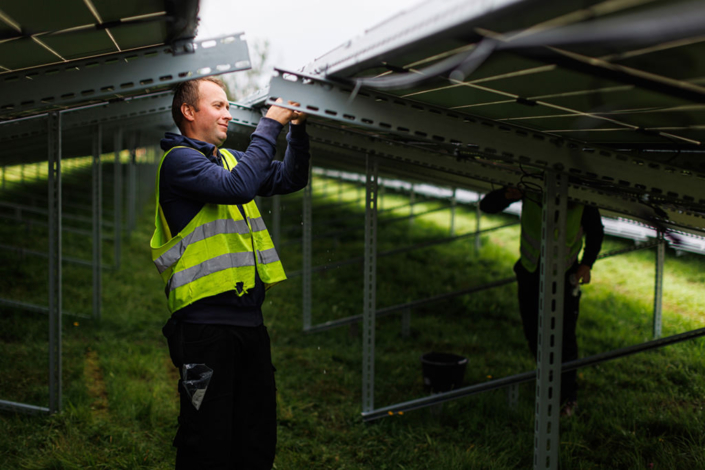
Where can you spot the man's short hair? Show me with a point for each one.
(187, 93)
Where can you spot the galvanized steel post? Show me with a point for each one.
(117, 199)
(658, 284)
(369, 287)
(54, 209)
(453, 203)
(307, 250)
(550, 321)
(97, 220)
(132, 185)
(478, 218)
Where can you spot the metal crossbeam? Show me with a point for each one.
(23, 407)
(116, 75)
(404, 118)
(115, 111)
(345, 147)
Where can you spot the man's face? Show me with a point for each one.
(211, 120)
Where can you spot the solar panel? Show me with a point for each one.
(609, 92)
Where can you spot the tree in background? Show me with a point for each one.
(242, 84)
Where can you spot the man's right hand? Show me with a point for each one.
(283, 115)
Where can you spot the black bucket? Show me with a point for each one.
(442, 371)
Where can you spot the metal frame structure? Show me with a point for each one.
(54, 161)
(115, 75)
(369, 309)
(404, 135)
(100, 94)
(550, 322)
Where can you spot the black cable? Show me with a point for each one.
(660, 25)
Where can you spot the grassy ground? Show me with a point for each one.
(120, 403)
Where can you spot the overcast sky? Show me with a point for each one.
(298, 31)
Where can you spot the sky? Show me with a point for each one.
(298, 31)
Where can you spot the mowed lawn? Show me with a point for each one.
(120, 401)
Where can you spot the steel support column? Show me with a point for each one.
(54, 190)
(97, 220)
(132, 185)
(369, 287)
(307, 251)
(550, 324)
(276, 219)
(117, 199)
(478, 217)
(453, 203)
(658, 284)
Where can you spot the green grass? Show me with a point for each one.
(120, 402)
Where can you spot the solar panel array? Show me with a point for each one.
(613, 89)
(109, 63)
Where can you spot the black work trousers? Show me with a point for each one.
(528, 290)
(235, 426)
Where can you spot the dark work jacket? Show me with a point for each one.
(495, 202)
(188, 180)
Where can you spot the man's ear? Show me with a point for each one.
(188, 112)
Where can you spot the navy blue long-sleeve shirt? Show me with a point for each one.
(191, 177)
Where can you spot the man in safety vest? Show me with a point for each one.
(216, 258)
(580, 221)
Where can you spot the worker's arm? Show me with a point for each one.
(291, 174)
(594, 233)
(499, 199)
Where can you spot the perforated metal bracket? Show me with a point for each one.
(405, 118)
(113, 76)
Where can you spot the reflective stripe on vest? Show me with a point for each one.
(531, 232)
(200, 233)
(213, 265)
(268, 256)
(215, 252)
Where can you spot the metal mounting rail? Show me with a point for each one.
(116, 75)
(406, 118)
(357, 229)
(403, 249)
(23, 407)
(353, 145)
(89, 115)
(329, 325)
(408, 305)
(526, 376)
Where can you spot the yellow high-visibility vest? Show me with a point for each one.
(218, 251)
(531, 233)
